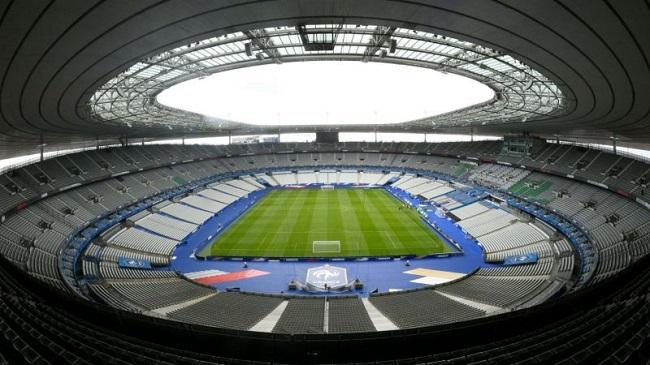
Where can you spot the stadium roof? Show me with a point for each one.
(78, 72)
(523, 94)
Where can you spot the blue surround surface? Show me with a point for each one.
(376, 274)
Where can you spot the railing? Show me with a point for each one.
(8, 164)
(641, 156)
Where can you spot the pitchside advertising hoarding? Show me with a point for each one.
(133, 263)
(527, 258)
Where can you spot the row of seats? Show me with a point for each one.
(615, 225)
(166, 226)
(63, 171)
(496, 290)
(487, 222)
(300, 315)
(497, 176)
(543, 249)
(186, 213)
(513, 236)
(228, 310)
(423, 308)
(470, 210)
(113, 253)
(542, 267)
(139, 240)
(158, 293)
(110, 270)
(617, 172)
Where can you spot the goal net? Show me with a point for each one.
(327, 187)
(326, 246)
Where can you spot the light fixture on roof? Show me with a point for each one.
(318, 38)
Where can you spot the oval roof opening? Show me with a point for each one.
(326, 93)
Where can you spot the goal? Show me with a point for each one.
(326, 246)
(327, 187)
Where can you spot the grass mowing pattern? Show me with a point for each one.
(367, 222)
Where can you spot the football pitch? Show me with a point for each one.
(327, 223)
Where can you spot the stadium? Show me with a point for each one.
(335, 181)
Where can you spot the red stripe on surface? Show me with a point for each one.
(238, 275)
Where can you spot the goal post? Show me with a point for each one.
(326, 246)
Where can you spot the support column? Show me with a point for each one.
(614, 143)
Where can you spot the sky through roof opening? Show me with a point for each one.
(326, 93)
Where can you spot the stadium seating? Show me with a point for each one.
(347, 314)
(139, 240)
(306, 177)
(112, 253)
(186, 213)
(32, 238)
(228, 310)
(203, 203)
(166, 226)
(497, 176)
(423, 308)
(302, 315)
(495, 290)
(217, 196)
(158, 293)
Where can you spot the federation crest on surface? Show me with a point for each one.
(327, 277)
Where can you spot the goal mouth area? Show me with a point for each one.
(326, 247)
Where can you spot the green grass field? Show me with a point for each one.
(367, 222)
